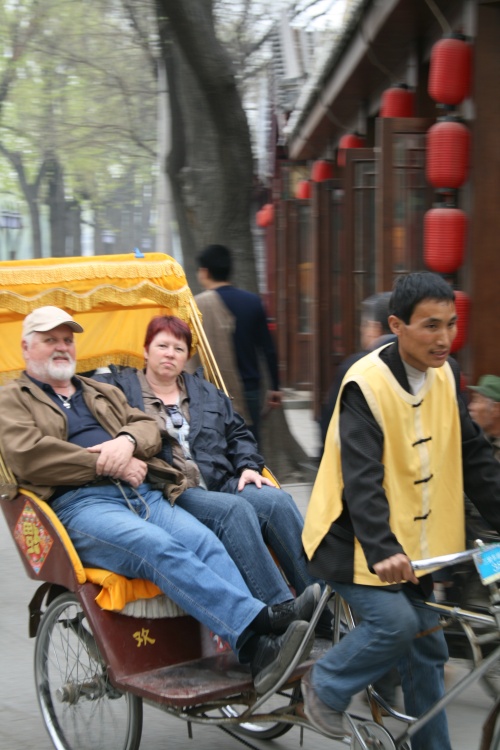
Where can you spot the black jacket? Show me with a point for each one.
(221, 444)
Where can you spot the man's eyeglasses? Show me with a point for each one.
(175, 415)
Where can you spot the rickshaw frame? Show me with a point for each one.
(99, 291)
(174, 663)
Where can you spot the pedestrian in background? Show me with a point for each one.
(374, 331)
(235, 323)
(484, 408)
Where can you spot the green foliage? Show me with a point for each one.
(77, 87)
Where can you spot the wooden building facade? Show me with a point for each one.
(359, 230)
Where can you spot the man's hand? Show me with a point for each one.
(114, 457)
(395, 569)
(135, 472)
(250, 476)
(274, 399)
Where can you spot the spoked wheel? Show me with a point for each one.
(491, 681)
(265, 730)
(80, 707)
(374, 736)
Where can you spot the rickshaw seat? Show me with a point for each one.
(114, 297)
(135, 597)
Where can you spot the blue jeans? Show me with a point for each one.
(384, 638)
(171, 548)
(245, 522)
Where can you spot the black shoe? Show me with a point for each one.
(275, 652)
(324, 626)
(301, 608)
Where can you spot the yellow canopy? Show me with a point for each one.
(113, 297)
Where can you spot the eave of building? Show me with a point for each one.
(372, 54)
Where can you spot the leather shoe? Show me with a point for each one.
(322, 717)
(301, 608)
(275, 652)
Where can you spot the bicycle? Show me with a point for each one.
(482, 632)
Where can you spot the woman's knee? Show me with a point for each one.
(274, 503)
(241, 515)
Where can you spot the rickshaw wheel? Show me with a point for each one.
(264, 730)
(80, 708)
(491, 682)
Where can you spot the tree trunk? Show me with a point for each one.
(31, 192)
(284, 456)
(36, 234)
(210, 166)
(73, 227)
(57, 209)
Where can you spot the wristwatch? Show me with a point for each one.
(129, 437)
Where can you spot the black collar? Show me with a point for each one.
(48, 388)
(392, 358)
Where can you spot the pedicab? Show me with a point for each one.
(104, 644)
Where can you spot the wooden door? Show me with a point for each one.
(402, 198)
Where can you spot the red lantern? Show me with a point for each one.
(462, 306)
(303, 190)
(349, 140)
(269, 209)
(450, 70)
(448, 144)
(322, 170)
(265, 216)
(445, 232)
(398, 101)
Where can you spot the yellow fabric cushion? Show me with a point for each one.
(117, 590)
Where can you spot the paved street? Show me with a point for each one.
(20, 723)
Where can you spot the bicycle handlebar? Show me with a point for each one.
(443, 560)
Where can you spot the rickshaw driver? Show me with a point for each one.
(77, 444)
(400, 451)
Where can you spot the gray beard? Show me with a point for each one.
(52, 371)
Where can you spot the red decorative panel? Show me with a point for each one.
(32, 538)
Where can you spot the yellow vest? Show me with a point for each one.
(405, 420)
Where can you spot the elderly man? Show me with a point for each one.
(79, 445)
(484, 408)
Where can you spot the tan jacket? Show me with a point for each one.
(33, 434)
(219, 325)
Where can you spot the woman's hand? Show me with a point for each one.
(250, 476)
